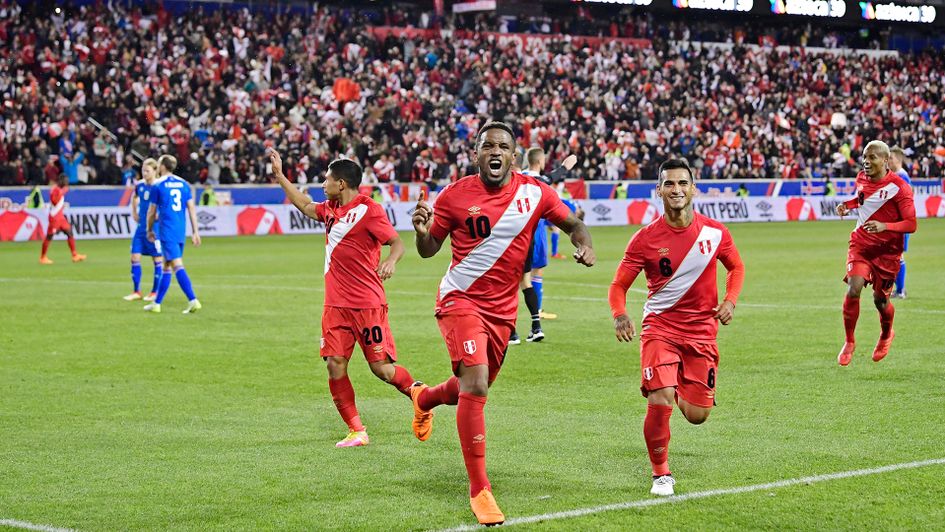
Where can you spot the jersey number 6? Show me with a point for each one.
(666, 267)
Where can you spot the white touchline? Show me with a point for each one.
(13, 523)
(643, 503)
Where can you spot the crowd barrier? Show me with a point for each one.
(18, 224)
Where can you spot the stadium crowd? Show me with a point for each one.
(215, 88)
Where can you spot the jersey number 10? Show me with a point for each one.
(479, 227)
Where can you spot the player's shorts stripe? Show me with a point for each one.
(701, 254)
(341, 228)
(874, 203)
(487, 253)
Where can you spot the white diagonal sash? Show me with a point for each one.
(874, 203)
(342, 226)
(487, 253)
(687, 273)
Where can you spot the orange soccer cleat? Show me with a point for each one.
(882, 347)
(422, 419)
(846, 354)
(78, 257)
(558, 256)
(45, 260)
(486, 509)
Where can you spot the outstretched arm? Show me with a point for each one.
(301, 201)
(581, 238)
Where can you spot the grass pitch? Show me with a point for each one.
(115, 419)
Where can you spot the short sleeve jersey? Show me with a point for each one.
(680, 268)
(171, 194)
(888, 200)
(354, 234)
(143, 193)
(55, 195)
(490, 229)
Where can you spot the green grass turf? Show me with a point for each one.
(114, 419)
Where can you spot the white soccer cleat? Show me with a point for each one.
(134, 296)
(663, 486)
(192, 307)
(150, 297)
(153, 307)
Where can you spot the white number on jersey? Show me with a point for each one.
(175, 195)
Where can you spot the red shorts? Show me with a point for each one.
(879, 271)
(689, 366)
(475, 339)
(59, 223)
(342, 327)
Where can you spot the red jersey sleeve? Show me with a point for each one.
(630, 266)
(442, 223)
(379, 224)
(728, 255)
(554, 210)
(906, 204)
(55, 195)
(320, 211)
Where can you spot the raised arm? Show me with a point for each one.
(301, 201)
(427, 244)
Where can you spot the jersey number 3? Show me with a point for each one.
(175, 198)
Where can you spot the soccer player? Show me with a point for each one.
(58, 221)
(490, 219)
(169, 195)
(885, 211)
(355, 303)
(678, 354)
(140, 245)
(897, 158)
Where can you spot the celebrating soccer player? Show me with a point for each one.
(885, 212)
(58, 221)
(169, 195)
(490, 219)
(140, 245)
(678, 354)
(355, 302)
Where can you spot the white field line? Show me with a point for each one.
(644, 503)
(13, 523)
(602, 299)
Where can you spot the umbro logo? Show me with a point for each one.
(479, 438)
(764, 206)
(474, 210)
(663, 251)
(600, 209)
(204, 217)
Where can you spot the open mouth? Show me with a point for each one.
(495, 165)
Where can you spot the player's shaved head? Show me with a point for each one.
(168, 163)
(346, 170)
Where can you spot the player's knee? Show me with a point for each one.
(337, 367)
(880, 301)
(696, 416)
(383, 370)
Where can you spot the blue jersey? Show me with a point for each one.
(171, 195)
(905, 177)
(143, 193)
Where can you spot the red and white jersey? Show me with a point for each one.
(57, 202)
(490, 230)
(257, 221)
(19, 226)
(680, 269)
(354, 233)
(888, 200)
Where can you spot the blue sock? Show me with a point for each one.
(554, 242)
(537, 284)
(158, 275)
(184, 283)
(165, 284)
(901, 278)
(136, 274)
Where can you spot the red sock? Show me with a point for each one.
(343, 394)
(45, 247)
(656, 434)
(851, 313)
(471, 425)
(402, 380)
(71, 241)
(886, 320)
(445, 393)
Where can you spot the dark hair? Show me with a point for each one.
(346, 170)
(495, 125)
(675, 164)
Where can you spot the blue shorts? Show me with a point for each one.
(140, 244)
(540, 245)
(172, 250)
(905, 242)
(570, 204)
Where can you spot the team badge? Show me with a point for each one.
(705, 247)
(647, 373)
(523, 205)
(469, 346)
